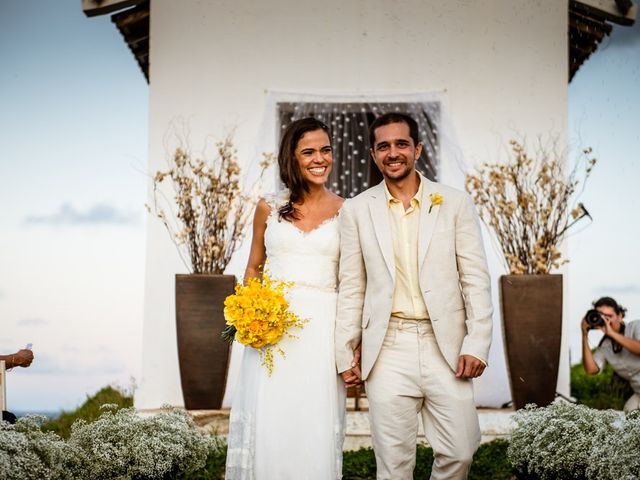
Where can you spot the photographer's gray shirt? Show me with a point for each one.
(624, 363)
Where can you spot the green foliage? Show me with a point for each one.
(602, 391)
(214, 468)
(489, 463)
(359, 464)
(424, 462)
(89, 410)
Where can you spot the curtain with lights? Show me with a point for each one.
(353, 169)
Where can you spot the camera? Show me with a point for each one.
(594, 319)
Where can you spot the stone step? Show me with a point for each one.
(494, 423)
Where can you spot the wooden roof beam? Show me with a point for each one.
(611, 10)
(93, 8)
(586, 30)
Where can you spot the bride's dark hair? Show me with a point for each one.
(290, 173)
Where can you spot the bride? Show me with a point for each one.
(290, 425)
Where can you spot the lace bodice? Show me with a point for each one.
(309, 259)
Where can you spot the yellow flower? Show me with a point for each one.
(259, 312)
(436, 199)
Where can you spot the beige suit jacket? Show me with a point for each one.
(454, 279)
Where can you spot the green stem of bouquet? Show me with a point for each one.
(229, 333)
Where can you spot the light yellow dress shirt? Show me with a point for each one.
(407, 297)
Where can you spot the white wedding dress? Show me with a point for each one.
(290, 426)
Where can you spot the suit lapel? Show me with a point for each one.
(379, 212)
(427, 220)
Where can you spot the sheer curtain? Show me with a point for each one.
(349, 121)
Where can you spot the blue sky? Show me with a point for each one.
(604, 113)
(73, 130)
(73, 137)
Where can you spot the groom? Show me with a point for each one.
(415, 296)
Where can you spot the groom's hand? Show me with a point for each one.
(469, 367)
(351, 378)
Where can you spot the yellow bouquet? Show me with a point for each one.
(258, 316)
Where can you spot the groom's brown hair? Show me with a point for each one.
(393, 117)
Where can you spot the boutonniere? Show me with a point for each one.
(436, 199)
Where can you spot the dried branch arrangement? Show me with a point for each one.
(527, 203)
(211, 206)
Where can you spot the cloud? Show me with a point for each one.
(98, 214)
(33, 322)
(629, 289)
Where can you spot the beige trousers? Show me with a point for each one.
(411, 377)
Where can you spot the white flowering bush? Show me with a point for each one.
(28, 453)
(118, 445)
(566, 441)
(124, 445)
(619, 457)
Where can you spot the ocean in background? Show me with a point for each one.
(49, 414)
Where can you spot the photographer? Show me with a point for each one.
(22, 358)
(620, 347)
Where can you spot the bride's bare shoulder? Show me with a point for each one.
(263, 210)
(336, 200)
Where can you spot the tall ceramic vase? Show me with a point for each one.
(202, 354)
(532, 324)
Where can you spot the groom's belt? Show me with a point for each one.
(402, 317)
(400, 323)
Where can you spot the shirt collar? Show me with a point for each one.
(414, 201)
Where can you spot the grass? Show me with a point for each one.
(89, 410)
(213, 469)
(602, 391)
(489, 463)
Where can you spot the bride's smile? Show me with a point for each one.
(315, 157)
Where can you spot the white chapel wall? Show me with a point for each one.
(500, 65)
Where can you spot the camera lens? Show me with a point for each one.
(594, 319)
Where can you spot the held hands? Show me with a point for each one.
(352, 377)
(469, 367)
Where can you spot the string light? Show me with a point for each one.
(352, 173)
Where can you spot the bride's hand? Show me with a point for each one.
(356, 374)
(351, 378)
(356, 357)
